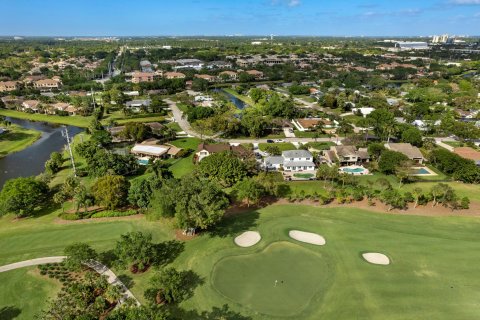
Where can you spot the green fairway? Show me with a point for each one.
(281, 280)
(433, 274)
(17, 139)
(24, 293)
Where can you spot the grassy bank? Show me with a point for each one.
(77, 121)
(17, 139)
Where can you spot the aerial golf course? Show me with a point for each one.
(433, 271)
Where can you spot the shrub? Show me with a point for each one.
(112, 213)
(465, 203)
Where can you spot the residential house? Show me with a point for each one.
(47, 84)
(346, 155)
(309, 124)
(31, 105)
(365, 111)
(292, 160)
(146, 66)
(151, 149)
(468, 153)
(413, 153)
(219, 65)
(174, 75)
(204, 150)
(139, 77)
(63, 107)
(228, 75)
(207, 77)
(189, 64)
(258, 75)
(6, 86)
(136, 105)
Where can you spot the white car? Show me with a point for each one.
(279, 140)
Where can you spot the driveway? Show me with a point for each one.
(95, 265)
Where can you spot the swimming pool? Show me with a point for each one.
(420, 171)
(143, 162)
(354, 170)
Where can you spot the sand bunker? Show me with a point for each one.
(376, 258)
(248, 239)
(307, 237)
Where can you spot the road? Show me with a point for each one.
(186, 127)
(95, 265)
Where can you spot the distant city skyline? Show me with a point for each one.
(248, 17)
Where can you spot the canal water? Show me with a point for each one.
(31, 161)
(237, 102)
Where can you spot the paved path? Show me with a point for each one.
(439, 142)
(95, 265)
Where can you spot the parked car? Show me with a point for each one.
(279, 140)
(270, 141)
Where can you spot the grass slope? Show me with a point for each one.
(17, 139)
(78, 121)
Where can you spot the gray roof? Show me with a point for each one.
(138, 102)
(299, 164)
(406, 148)
(273, 160)
(296, 154)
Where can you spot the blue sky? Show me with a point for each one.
(245, 17)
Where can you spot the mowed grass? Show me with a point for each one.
(281, 280)
(78, 121)
(23, 291)
(283, 146)
(434, 272)
(17, 139)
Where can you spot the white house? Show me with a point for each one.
(292, 160)
(364, 111)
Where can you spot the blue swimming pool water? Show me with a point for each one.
(422, 171)
(142, 162)
(353, 170)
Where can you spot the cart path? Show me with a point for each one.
(95, 265)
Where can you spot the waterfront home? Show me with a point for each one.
(31, 105)
(346, 155)
(413, 153)
(292, 160)
(6, 86)
(47, 84)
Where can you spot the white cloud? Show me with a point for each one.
(294, 3)
(465, 2)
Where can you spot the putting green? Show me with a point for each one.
(300, 275)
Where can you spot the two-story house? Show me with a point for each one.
(346, 155)
(292, 160)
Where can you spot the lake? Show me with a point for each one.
(31, 161)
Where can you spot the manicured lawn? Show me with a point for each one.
(183, 166)
(308, 134)
(17, 139)
(77, 121)
(120, 118)
(428, 277)
(23, 291)
(434, 272)
(283, 146)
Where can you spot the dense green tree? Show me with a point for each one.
(223, 167)
(390, 160)
(413, 136)
(382, 121)
(135, 249)
(111, 191)
(78, 254)
(249, 190)
(55, 162)
(21, 196)
(169, 286)
(201, 205)
(136, 131)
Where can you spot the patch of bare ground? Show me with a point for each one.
(179, 235)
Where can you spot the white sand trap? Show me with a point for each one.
(248, 239)
(376, 258)
(307, 237)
